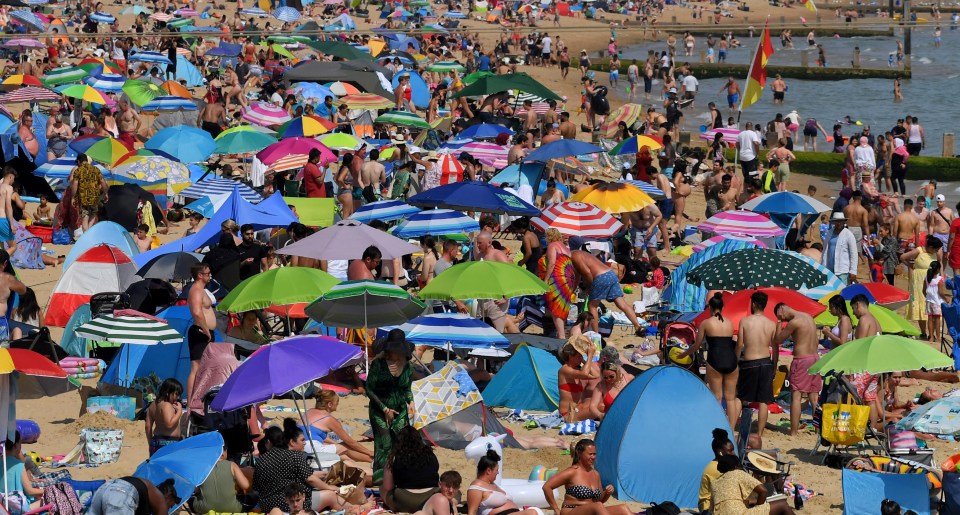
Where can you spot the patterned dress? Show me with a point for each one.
(917, 308)
(395, 393)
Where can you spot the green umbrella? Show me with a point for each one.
(59, 76)
(446, 66)
(177, 23)
(475, 76)
(381, 304)
(402, 118)
(338, 49)
(750, 268)
(242, 141)
(483, 280)
(890, 322)
(491, 84)
(341, 141)
(881, 354)
(141, 92)
(278, 287)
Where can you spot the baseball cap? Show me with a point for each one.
(941, 198)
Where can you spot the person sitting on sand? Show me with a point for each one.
(162, 423)
(17, 475)
(445, 502)
(42, 214)
(484, 497)
(721, 446)
(324, 427)
(295, 498)
(612, 381)
(736, 492)
(411, 473)
(585, 493)
(218, 493)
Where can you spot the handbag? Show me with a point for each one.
(845, 423)
(350, 480)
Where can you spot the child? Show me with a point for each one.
(194, 221)
(935, 289)
(445, 502)
(824, 227)
(143, 242)
(295, 498)
(42, 215)
(885, 252)
(162, 423)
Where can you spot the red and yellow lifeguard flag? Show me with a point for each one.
(810, 6)
(757, 77)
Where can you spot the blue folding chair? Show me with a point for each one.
(864, 491)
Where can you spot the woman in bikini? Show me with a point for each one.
(571, 378)
(484, 497)
(585, 494)
(722, 355)
(324, 427)
(612, 381)
(233, 88)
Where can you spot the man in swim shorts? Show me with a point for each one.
(644, 226)
(200, 334)
(755, 383)
(733, 92)
(803, 330)
(603, 284)
(939, 220)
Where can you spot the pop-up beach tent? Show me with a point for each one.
(674, 414)
(527, 381)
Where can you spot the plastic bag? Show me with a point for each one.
(845, 424)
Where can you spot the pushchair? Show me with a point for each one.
(231, 424)
(675, 338)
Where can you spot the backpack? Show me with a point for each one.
(63, 498)
(664, 508)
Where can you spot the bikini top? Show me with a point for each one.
(584, 492)
(493, 501)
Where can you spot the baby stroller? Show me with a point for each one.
(231, 424)
(676, 338)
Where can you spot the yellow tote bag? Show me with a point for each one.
(844, 424)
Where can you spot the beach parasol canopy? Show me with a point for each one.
(386, 210)
(474, 196)
(654, 192)
(890, 322)
(153, 169)
(29, 18)
(135, 330)
(886, 295)
(342, 89)
(102, 80)
(737, 305)
(403, 119)
(169, 103)
(562, 148)
(188, 462)
(755, 267)
(785, 202)
(36, 375)
(278, 287)
(150, 57)
(365, 101)
(170, 267)
(264, 114)
(108, 151)
(184, 143)
(102, 17)
(341, 141)
(578, 219)
(705, 244)
(347, 239)
(490, 84)
(880, 355)
(23, 43)
(633, 144)
(445, 66)
(627, 113)
(483, 280)
(485, 130)
(140, 92)
(339, 49)
(453, 330)
(740, 222)
(85, 93)
(294, 146)
(242, 141)
(435, 222)
(305, 126)
(30, 94)
(380, 304)
(286, 14)
(614, 197)
(22, 80)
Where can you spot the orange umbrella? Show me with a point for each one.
(175, 88)
(614, 197)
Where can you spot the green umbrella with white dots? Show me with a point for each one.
(756, 267)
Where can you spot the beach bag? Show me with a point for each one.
(844, 424)
(664, 508)
(117, 405)
(63, 499)
(350, 480)
(101, 445)
(15, 502)
(61, 237)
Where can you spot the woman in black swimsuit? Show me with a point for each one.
(585, 494)
(722, 353)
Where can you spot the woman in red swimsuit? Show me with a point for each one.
(571, 378)
(613, 379)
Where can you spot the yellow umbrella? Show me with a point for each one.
(614, 197)
(627, 113)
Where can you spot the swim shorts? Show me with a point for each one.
(6, 234)
(640, 240)
(732, 99)
(606, 287)
(756, 381)
(197, 341)
(801, 380)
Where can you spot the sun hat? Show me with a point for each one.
(396, 341)
(838, 216)
(763, 462)
(581, 343)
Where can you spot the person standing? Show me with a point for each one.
(556, 269)
(801, 328)
(916, 139)
(840, 254)
(603, 284)
(758, 362)
(253, 255)
(779, 88)
(89, 190)
(129, 124)
(200, 334)
(389, 383)
(722, 373)
(748, 145)
(922, 258)
(313, 183)
(939, 221)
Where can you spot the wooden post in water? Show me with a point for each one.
(949, 141)
(907, 33)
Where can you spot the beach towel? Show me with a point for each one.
(579, 428)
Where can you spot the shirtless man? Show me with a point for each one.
(867, 324)
(939, 220)
(732, 87)
(779, 87)
(200, 334)
(644, 226)
(906, 226)
(603, 285)
(552, 134)
(141, 239)
(857, 217)
(680, 191)
(494, 309)
(568, 129)
(7, 222)
(757, 369)
(518, 150)
(363, 268)
(373, 172)
(213, 117)
(531, 121)
(728, 194)
(129, 124)
(803, 330)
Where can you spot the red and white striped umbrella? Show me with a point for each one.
(30, 94)
(450, 170)
(578, 219)
(161, 17)
(265, 114)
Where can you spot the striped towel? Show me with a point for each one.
(579, 428)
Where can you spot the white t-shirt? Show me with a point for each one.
(933, 291)
(690, 83)
(546, 44)
(745, 141)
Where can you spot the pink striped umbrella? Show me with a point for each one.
(740, 222)
(30, 94)
(186, 12)
(705, 244)
(486, 152)
(578, 219)
(24, 43)
(729, 135)
(265, 114)
(450, 170)
(161, 17)
(294, 146)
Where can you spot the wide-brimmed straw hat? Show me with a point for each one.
(763, 462)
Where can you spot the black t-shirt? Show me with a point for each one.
(898, 130)
(253, 250)
(410, 477)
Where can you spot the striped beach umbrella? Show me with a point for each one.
(22, 80)
(445, 66)
(60, 168)
(342, 89)
(29, 18)
(63, 75)
(454, 15)
(150, 57)
(177, 23)
(104, 81)
(365, 101)
(654, 192)
(90, 64)
(486, 152)
(161, 17)
(83, 143)
(385, 210)
(709, 242)
(264, 114)
(254, 11)
(286, 14)
(186, 12)
(102, 17)
(129, 329)
(627, 113)
(727, 135)
(135, 10)
(454, 330)
(169, 103)
(216, 186)
(403, 119)
(288, 162)
(380, 302)
(740, 222)
(578, 219)
(82, 92)
(23, 43)
(450, 169)
(29, 94)
(305, 126)
(436, 222)
(242, 141)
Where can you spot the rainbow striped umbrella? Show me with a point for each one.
(305, 126)
(436, 222)
(627, 113)
(108, 151)
(385, 210)
(85, 93)
(29, 94)
(740, 222)
(22, 80)
(91, 63)
(63, 75)
(264, 114)
(633, 144)
(365, 101)
(294, 146)
(578, 219)
(403, 119)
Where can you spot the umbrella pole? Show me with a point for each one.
(6, 493)
(369, 345)
(306, 427)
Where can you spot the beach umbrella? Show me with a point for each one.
(311, 90)
(90, 64)
(278, 287)
(242, 142)
(347, 239)
(880, 355)
(705, 244)
(135, 10)
(726, 135)
(279, 50)
(884, 294)
(485, 130)
(60, 168)
(740, 222)
(403, 119)
(183, 143)
(169, 103)
(177, 23)
(104, 81)
(890, 321)
(208, 205)
(186, 12)
(83, 143)
(140, 92)
(939, 417)
(365, 101)
(85, 93)
(102, 17)
(150, 57)
(30, 94)
(341, 141)
(451, 170)
(627, 113)
(569, 165)
(63, 75)
(785, 202)
(475, 76)
(161, 17)
(737, 305)
(483, 280)
(137, 330)
(339, 49)
(170, 267)
(108, 151)
(264, 114)
(435, 222)
(254, 11)
(633, 144)
(216, 186)
(487, 152)
(562, 148)
(342, 89)
(305, 126)
(381, 303)
(654, 192)
(188, 462)
(445, 67)
(36, 375)
(754, 267)
(294, 146)
(22, 80)
(386, 210)
(453, 330)
(174, 88)
(578, 219)
(28, 18)
(286, 14)
(614, 197)
(152, 169)
(490, 84)
(456, 15)
(23, 43)
(474, 196)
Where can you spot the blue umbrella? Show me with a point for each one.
(654, 192)
(485, 130)
(188, 462)
(225, 50)
(454, 330)
(435, 222)
(385, 210)
(149, 57)
(215, 186)
(28, 18)
(474, 196)
(102, 17)
(83, 143)
(312, 90)
(456, 15)
(254, 11)
(200, 29)
(184, 143)
(787, 203)
(287, 14)
(511, 175)
(169, 103)
(562, 148)
(104, 81)
(60, 168)
(36, 2)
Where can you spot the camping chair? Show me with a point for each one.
(864, 491)
(232, 425)
(837, 388)
(291, 188)
(951, 318)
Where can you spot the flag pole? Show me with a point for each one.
(743, 97)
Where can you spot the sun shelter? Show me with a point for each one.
(103, 232)
(527, 381)
(674, 413)
(100, 269)
(450, 410)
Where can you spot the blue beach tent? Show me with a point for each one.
(111, 233)
(657, 408)
(133, 361)
(527, 381)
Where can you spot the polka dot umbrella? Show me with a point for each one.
(756, 267)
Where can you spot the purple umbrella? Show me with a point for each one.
(280, 367)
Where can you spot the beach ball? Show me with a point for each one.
(675, 357)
